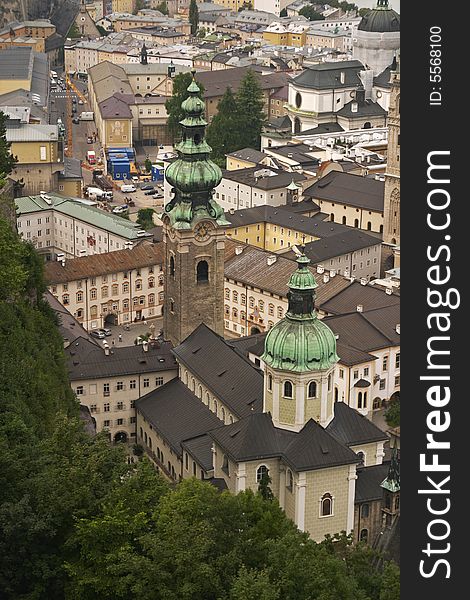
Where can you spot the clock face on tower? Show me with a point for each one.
(202, 231)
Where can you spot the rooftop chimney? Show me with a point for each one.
(326, 278)
(271, 259)
(145, 346)
(106, 350)
(397, 328)
(320, 269)
(389, 291)
(359, 308)
(238, 250)
(363, 281)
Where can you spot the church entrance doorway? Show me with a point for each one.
(254, 331)
(120, 437)
(111, 319)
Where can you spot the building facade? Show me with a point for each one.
(113, 288)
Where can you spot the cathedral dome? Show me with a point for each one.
(381, 19)
(300, 342)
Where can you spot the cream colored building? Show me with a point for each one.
(123, 6)
(116, 288)
(109, 380)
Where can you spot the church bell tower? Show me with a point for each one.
(193, 232)
(391, 234)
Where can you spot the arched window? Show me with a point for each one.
(362, 458)
(234, 313)
(326, 505)
(186, 378)
(312, 389)
(125, 287)
(261, 305)
(288, 389)
(271, 309)
(79, 296)
(359, 400)
(215, 406)
(261, 471)
(336, 394)
(369, 226)
(115, 289)
(208, 399)
(80, 314)
(231, 419)
(367, 125)
(172, 266)
(289, 480)
(356, 222)
(280, 312)
(193, 385)
(235, 296)
(297, 125)
(365, 511)
(332, 216)
(151, 299)
(270, 382)
(65, 299)
(93, 311)
(202, 271)
(364, 535)
(329, 382)
(381, 229)
(344, 220)
(199, 392)
(151, 282)
(364, 400)
(222, 414)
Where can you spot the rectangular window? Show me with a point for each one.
(397, 361)
(158, 381)
(397, 380)
(119, 386)
(132, 384)
(146, 383)
(366, 372)
(106, 389)
(43, 152)
(106, 423)
(106, 407)
(341, 373)
(356, 374)
(385, 363)
(382, 384)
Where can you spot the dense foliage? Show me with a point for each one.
(7, 160)
(239, 120)
(173, 105)
(78, 523)
(145, 218)
(392, 414)
(311, 14)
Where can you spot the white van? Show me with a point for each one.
(128, 187)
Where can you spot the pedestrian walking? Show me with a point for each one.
(120, 337)
(113, 342)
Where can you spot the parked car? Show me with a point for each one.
(135, 179)
(74, 108)
(150, 192)
(147, 187)
(98, 334)
(89, 140)
(119, 210)
(157, 196)
(80, 102)
(107, 332)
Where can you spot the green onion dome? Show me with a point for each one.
(301, 342)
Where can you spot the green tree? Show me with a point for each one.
(250, 104)
(223, 134)
(102, 30)
(392, 414)
(148, 165)
(253, 585)
(390, 582)
(145, 218)
(74, 31)
(311, 14)
(7, 160)
(163, 8)
(139, 5)
(263, 487)
(193, 16)
(173, 105)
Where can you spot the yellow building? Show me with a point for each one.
(114, 123)
(39, 154)
(233, 5)
(124, 6)
(37, 44)
(278, 34)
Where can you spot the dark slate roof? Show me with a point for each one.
(357, 331)
(86, 360)
(255, 437)
(273, 214)
(366, 108)
(115, 107)
(337, 245)
(72, 168)
(249, 154)
(332, 127)
(370, 297)
(216, 82)
(328, 75)
(362, 383)
(282, 122)
(176, 413)
(351, 428)
(297, 152)
(383, 79)
(352, 356)
(368, 483)
(231, 378)
(302, 207)
(350, 190)
(218, 482)
(200, 449)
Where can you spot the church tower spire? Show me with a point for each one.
(194, 231)
(300, 356)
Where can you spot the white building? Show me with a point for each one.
(70, 227)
